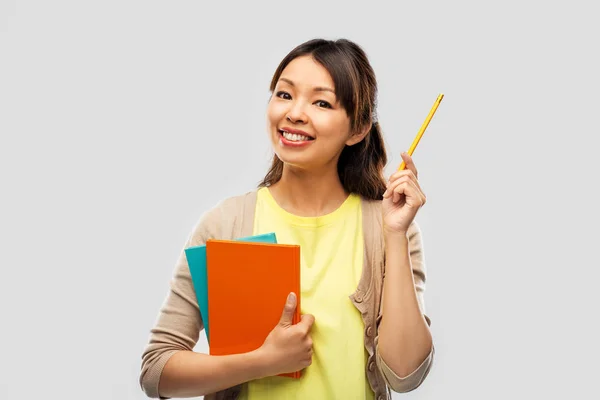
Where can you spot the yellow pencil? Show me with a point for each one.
(415, 142)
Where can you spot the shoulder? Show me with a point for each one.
(235, 203)
(220, 220)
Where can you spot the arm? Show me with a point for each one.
(405, 347)
(189, 374)
(287, 348)
(170, 368)
(169, 365)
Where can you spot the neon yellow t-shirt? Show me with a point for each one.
(331, 248)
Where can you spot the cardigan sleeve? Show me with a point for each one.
(178, 325)
(415, 378)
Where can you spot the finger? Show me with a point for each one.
(405, 179)
(392, 186)
(307, 321)
(399, 192)
(395, 180)
(410, 164)
(288, 311)
(411, 192)
(407, 190)
(308, 362)
(399, 174)
(309, 343)
(403, 187)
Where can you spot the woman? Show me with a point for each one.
(360, 335)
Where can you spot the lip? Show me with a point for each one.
(289, 143)
(296, 131)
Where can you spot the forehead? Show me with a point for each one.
(305, 71)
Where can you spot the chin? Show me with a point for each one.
(291, 160)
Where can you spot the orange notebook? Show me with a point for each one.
(248, 284)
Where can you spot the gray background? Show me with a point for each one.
(121, 122)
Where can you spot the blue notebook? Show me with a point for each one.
(196, 258)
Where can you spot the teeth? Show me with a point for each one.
(294, 137)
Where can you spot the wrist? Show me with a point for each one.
(262, 363)
(392, 236)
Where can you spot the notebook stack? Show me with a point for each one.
(242, 286)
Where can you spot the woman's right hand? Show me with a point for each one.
(288, 348)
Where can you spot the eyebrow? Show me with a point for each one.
(316, 89)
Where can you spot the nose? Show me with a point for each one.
(296, 113)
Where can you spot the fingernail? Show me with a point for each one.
(290, 298)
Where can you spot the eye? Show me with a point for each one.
(323, 103)
(283, 95)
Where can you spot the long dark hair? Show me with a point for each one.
(360, 167)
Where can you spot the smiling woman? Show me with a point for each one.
(328, 87)
(325, 192)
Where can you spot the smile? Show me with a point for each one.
(289, 139)
(295, 137)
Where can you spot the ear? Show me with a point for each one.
(358, 136)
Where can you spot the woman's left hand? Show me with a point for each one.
(402, 199)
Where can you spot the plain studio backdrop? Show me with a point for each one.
(122, 122)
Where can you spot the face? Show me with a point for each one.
(307, 125)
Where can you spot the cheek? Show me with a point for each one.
(275, 113)
(335, 127)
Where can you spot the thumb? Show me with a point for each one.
(288, 311)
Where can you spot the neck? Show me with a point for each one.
(309, 193)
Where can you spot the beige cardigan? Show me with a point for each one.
(179, 323)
